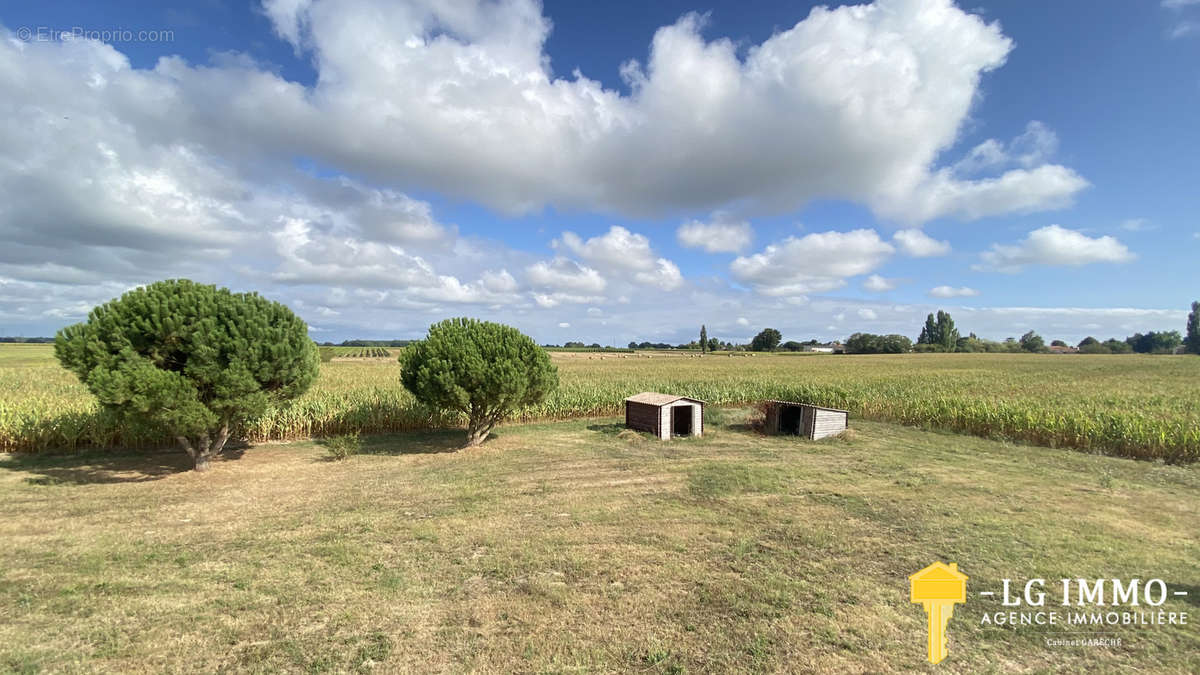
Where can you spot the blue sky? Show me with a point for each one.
(609, 171)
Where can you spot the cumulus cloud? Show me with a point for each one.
(1043, 188)
(1054, 245)
(952, 292)
(309, 255)
(868, 314)
(1184, 29)
(622, 251)
(665, 276)
(116, 175)
(878, 284)
(719, 236)
(813, 263)
(880, 90)
(562, 274)
(920, 245)
(1035, 146)
(1136, 225)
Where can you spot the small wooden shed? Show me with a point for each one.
(665, 415)
(802, 419)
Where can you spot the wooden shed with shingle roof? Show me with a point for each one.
(665, 415)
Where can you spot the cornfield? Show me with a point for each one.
(1136, 406)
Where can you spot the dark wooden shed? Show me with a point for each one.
(665, 415)
(803, 419)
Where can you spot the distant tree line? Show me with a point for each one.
(28, 340)
(712, 345)
(767, 340)
(938, 334)
(867, 343)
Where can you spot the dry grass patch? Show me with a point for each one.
(575, 546)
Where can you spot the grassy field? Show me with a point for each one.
(579, 547)
(1138, 406)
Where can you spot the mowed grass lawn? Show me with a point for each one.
(579, 547)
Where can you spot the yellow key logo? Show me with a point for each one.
(938, 587)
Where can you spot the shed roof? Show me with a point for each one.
(652, 398)
(808, 405)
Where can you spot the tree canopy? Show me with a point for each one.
(868, 343)
(1032, 342)
(940, 333)
(1162, 342)
(482, 369)
(766, 341)
(1193, 329)
(190, 359)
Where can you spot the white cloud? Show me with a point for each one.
(952, 292)
(1035, 146)
(665, 276)
(620, 250)
(564, 324)
(308, 255)
(499, 282)
(460, 99)
(743, 321)
(920, 245)
(1179, 4)
(1046, 187)
(813, 263)
(878, 284)
(1136, 225)
(566, 275)
(114, 175)
(1055, 245)
(1184, 29)
(719, 236)
(548, 300)
(868, 314)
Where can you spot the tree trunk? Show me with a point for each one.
(205, 447)
(201, 462)
(478, 430)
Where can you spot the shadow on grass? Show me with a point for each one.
(611, 429)
(410, 443)
(96, 467)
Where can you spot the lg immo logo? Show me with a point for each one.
(1079, 603)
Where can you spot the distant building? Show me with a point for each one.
(1062, 350)
(827, 348)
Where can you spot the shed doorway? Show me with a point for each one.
(681, 420)
(790, 419)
